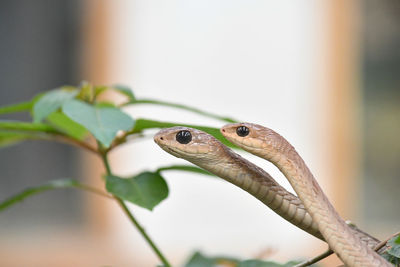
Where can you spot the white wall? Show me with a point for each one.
(256, 61)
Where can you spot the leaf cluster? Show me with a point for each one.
(78, 115)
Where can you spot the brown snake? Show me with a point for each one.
(205, 151)
(269, 145)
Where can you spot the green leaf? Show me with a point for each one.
(142, 124)
(51, 101)
(60, 121)
(146, 190)
(26, 126)
(102, 122)
(125, 91)
(199, 260)
(19, 107)
(391, 258)
(394, 247)
(119, 88)
(55, 184)
(180, 106)
(187, 168)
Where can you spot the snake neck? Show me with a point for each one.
(336, 232)
(251, 178)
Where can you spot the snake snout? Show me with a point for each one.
(158, 138)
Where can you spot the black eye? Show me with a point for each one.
(242, 131)
(184, 137)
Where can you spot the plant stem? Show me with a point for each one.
(94, 190)
(383, 243)
(72, 141)
(143, 232)
(180, 106)
(315, 259)
(106, 163)
(129, 214)
(329, 252)
(58, 137)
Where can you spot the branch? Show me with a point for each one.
(383, 243)
(128, 213)
(329, 252)
(315, 259)
(72, 141)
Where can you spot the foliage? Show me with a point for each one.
(200, 260)
(393, 253)
(76, 115)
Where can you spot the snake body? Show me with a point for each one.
(210, 154)
(269, 145)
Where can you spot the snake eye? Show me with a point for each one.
(184, 137)
(242, 131)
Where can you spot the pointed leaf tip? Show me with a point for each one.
(125, 91)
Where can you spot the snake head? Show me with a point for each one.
(254, 138)
(190, 144)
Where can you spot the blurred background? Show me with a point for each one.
(324, 74)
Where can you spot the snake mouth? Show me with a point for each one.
(178, 152)
(170, 150)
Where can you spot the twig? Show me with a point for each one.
(95, 191)
(329, 252)
(63, 139)
(117, 141)
(75, 142)
(129, 214)
(128, 136)
(383, 243)
(315, 259)
(59, 137)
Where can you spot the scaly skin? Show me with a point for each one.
(269, 145)
(208, 153)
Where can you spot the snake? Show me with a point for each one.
(269, 145)
(205, 151)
